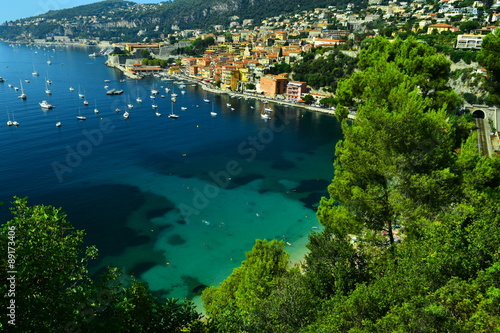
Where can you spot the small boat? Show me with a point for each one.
(213, 113)
(58, 124)
(265, 116)
(154, 106)
(85, 103)
(117, 110)
(172, 114)
(46, 105)
(14, 122)
(162, 96)
(126, 115)
(154, 92)
(228, 104)
(183, 108)
(130, 106)
(173, 99)
(268, 110)
(114, 92)
(71, 89)
(206, 100)
(138, 99)
(23, 95)
(107, 81)
(80, 117)
(10, 85)
(49, 62)
(183, 92)
(16, 88)
(158, 114)
(27, 81)
(9, 122)
(35, 73)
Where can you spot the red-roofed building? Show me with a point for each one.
(440, 27)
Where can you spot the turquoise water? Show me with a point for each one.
(175, 202)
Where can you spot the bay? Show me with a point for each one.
(175, 202)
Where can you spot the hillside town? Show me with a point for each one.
(238, 57)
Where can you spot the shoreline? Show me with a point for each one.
(205, 86)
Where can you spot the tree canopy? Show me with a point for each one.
(51, 290)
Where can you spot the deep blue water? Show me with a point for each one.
(194, 192)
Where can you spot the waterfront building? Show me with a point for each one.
(273, 85)
(295, 89)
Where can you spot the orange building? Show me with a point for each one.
(273, 85)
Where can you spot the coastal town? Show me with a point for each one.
(238, 57)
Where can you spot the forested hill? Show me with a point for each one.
(181, 14)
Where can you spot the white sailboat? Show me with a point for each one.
(126, 114)
(47, 90)
(80, 94)
(172, 114)
(23, 95)
(9, 122)
(34, 73)
(58, 123)
(80, 117)
(96, 110)
(213, 113)
(14, 122)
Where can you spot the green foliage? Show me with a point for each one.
(393, 63)
(278, 69)
(236, 302)
(323, 71)
(489, 58)
(54, 291)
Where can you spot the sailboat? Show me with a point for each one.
(14, 122)
(126, 114)
(80, 117)
(58, 123)
(96, 110)
(9, 122)
(80, 94)
(23, 95)
(35, 73)
(213, 113)
(172, 114)
(47, 90)
(130, 105)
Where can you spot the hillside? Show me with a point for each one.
(112, 18)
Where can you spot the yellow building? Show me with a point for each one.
(133, 47)
(174, 70)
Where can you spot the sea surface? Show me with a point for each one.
(174, 202)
